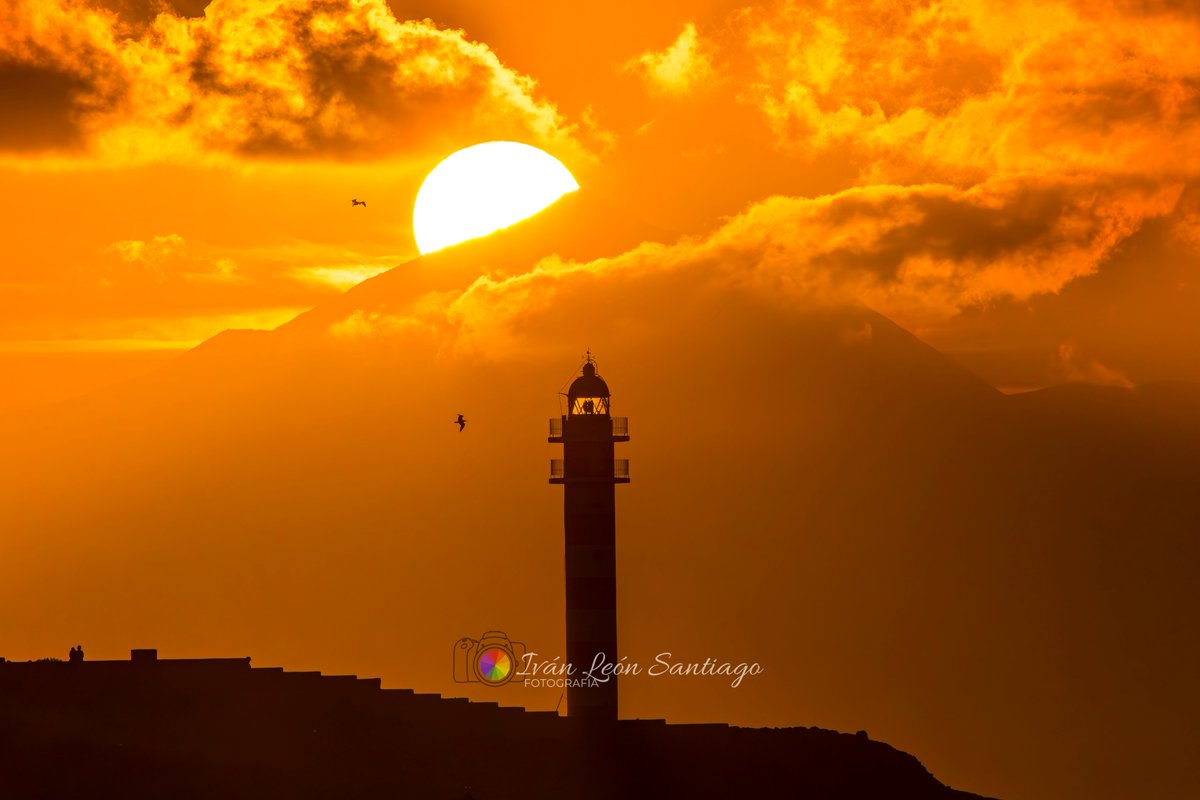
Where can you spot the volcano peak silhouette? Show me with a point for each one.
(814, 489)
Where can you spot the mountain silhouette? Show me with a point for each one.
(999, 584)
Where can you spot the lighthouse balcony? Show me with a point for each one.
(620, 473)
(620, 429)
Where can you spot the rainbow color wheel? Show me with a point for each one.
(494, 665)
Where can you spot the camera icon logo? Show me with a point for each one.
(492, 659)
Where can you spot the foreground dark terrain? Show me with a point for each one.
(219, 728)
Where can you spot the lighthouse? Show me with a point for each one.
(589, 472)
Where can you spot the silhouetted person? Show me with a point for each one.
(76, 654)
(461, 423)
(356, 202)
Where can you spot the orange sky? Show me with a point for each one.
(1041, 151)
(1015, 183)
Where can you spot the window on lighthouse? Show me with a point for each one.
(590, 405)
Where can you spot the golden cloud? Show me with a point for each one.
(150, 252)
(284, 267)
(919, 254)
(168, 257)
(679, 69)
(342, 277)
(262, 78)
(962, 90)
(58, 65)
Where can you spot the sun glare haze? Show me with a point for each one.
(484, 188)
(885, 311)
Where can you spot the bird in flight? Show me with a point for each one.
(356, 202)
(461, 423)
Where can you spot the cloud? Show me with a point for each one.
(861, 335)
(962, 90)
(1073, 367)
(148, 252)
(1186, 227)
(342, 277)
(292, 79)
(169, 257)
(679, 69)
(283, 267)
(58, 64)
(919, 254)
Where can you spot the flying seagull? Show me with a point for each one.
(461, 423)
(356, 202)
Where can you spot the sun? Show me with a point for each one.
(483, 188)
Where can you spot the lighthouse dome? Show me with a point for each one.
(588, 393)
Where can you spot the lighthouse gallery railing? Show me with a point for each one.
(620, 468)
(620, 426)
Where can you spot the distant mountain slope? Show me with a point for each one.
(1002, 585)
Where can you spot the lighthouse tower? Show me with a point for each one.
(588, 473)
